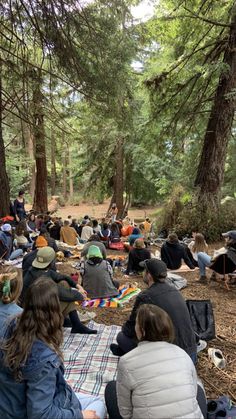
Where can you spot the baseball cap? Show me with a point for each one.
(44, 257)
(94, 252)
(231, 234)
(154, 266)
(6, 227)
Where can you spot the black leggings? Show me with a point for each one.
(112, 405)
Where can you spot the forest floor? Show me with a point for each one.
(217, 382)
(99, 211)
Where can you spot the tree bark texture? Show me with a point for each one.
(119, 177)
(210, 174)
(64, 163)
(4, 182)
(71, 185)
(29, 141)
(53, 164)
(40, 196)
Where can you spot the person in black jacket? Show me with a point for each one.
(172, 253)
(159, 293)
(68, 291)
(138, 254)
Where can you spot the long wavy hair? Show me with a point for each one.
(41, 319)
(199, 244)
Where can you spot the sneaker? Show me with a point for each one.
(86, 317)
(201, 345)
(217, 357)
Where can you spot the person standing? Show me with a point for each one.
(19, 207)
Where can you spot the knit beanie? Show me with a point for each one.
(94, 252)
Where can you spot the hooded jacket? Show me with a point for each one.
(97, 279)
(135, 257)
(173, 253)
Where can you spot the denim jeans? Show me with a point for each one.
(203, 261)
(92, 403)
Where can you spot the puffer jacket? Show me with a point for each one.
(157, 380)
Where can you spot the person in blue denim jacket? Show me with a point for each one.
(32, 383)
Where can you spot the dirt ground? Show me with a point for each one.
(217, 382)
(99, 211)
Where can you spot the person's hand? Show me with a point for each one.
(17, 218)
(90, 414)
(81, 290)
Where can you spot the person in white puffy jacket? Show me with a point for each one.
(156, 380)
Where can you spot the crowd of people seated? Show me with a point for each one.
(156, 342)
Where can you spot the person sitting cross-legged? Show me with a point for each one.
(160, 293)
(97, 275)
(68, 234)
(157, 379)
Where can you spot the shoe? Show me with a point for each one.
(116, 350)
(202, 279)
(217, 357)
(201, 345)
(86, 317)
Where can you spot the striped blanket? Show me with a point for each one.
(125, 294)
(89, 363)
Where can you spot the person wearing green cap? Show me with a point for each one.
(68, 291)
(97, 275)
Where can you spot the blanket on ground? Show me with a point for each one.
(89, 363)
(125, 294)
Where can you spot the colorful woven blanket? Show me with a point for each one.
(89, 363)
(125, 294)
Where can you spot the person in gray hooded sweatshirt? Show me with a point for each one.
(97, 275)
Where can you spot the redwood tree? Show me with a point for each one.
(210, 171)
(40, 195)
(4, 183)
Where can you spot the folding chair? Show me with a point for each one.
(223, 265)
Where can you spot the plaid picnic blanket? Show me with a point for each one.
(89, 363)
(125, 294)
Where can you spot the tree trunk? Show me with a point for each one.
(64, 163)
(53, 164)
(70, 176)
(29, 141)
(210, 172)
(4, 183)
(40, 195)
(119, 177)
